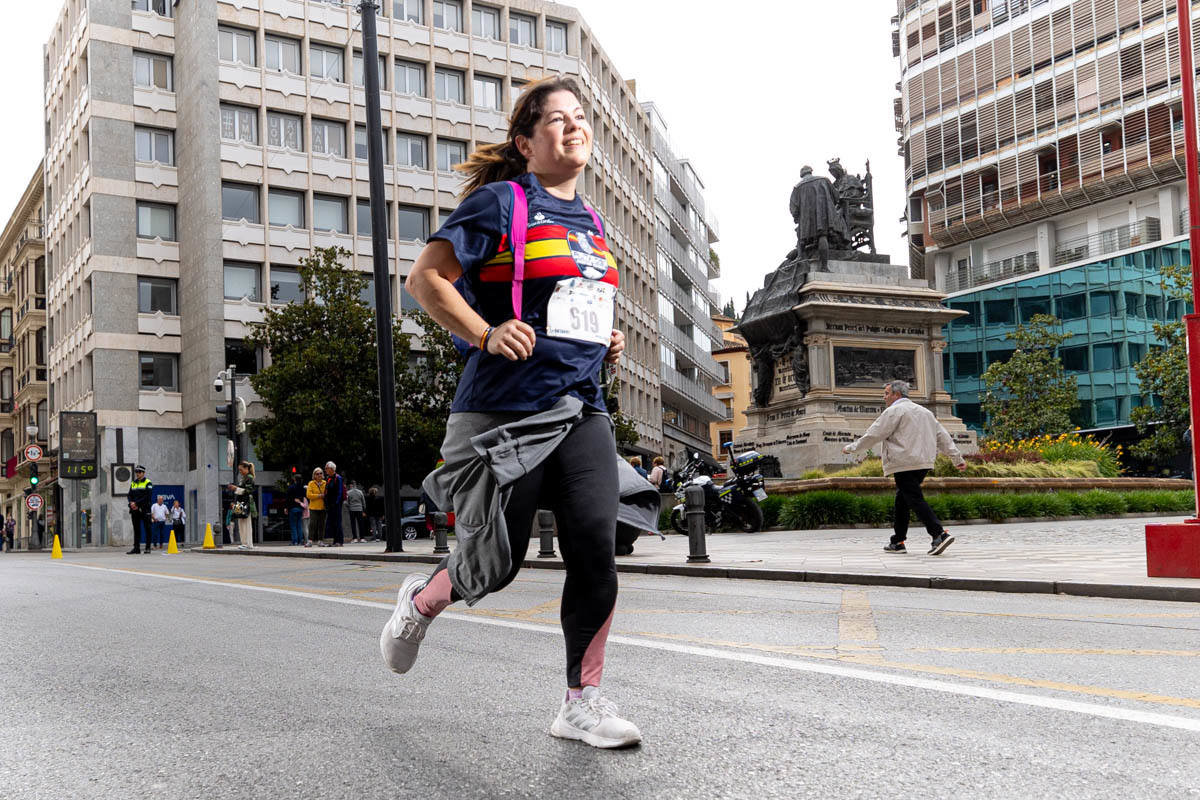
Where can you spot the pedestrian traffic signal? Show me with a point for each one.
(225, 419)
(33, 474)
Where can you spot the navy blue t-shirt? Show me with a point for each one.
(562, 243)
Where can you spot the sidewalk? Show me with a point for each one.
(1099, 558)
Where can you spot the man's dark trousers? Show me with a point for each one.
(909, 497)
(141, 522)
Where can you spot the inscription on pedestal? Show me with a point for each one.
(837, 437)
(846, 408)
(888, 330)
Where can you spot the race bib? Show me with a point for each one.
(581, 309)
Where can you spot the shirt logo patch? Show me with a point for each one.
(588, 257)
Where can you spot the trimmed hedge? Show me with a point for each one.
(830, 507)
(944, 468)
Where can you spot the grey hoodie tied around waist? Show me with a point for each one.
(485, 454)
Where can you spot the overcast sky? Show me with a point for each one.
(750, 93)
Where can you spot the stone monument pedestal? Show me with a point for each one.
(824, 343)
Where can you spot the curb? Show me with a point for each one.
(1118, 591)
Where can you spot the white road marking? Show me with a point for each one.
(946, 687)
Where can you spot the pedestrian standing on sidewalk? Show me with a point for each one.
(375, 511)
(178, 522)
(540, 336)
(296, 500)
(159, 514)
(909, 438)
(356, 505)
(658, 472)
(244, 507)
(316, 509)
(10, 529)
(335, 496)
(139, 508)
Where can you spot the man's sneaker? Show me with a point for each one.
(940, 543)
(895, 548)
(132, 552)
(593, 719)
(403, 633)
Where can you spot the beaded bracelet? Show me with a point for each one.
(484, 339)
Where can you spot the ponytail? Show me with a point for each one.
(503, 161)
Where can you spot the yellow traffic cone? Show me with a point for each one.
(208, 540)
(57, 553)
(171, 548)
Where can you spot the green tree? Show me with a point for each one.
(626, 431)
(322, 387)
(1028, 394)
(1163, 375)
(729, 310)
(426, 392)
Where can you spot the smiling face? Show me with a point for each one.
(561, 141)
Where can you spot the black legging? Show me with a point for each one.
(909, 496)
(578, 482)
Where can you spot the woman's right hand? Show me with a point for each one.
(513, 339)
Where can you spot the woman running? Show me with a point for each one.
(539, 339)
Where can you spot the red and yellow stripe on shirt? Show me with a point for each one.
(548, 255)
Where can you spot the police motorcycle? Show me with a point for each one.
(734, 503)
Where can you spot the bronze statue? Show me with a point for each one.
(820, 224)
(856, 204)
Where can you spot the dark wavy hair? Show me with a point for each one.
(503, 161)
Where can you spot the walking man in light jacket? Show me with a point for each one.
(909, 437)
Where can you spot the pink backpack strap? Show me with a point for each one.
(518, 230)
(595, 219)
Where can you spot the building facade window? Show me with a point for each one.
(285, 130)
(239, 124)
(236, 46)
(486, 92)
(411, 151)
(522, 29)
(409, 10)
(448, 15)
(157, 294)
(7, 442)
(329, 137)
(285, 285)
(239, 202)
(326, 63)
(485, 22)
(360, 144)
(153, 71)
(43, 420)
(156, 220)
(449, 86)
(242, 280)
(159, 371)
(363, 218)
(244, 359)
(161, 7)
(154, 146)
(285, 207)
(329, 214)
(449, 153)
(412, 223)
(360, 79)
(282, 54)
(556, 36)
(410, 78)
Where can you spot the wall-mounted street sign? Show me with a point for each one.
(33, 452)
(77, 445)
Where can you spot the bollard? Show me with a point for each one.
(694, 511)
(545, 521)
(440, 524)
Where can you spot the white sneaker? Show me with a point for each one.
(243, 547)
(593, 719)
(403, 633)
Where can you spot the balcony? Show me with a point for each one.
(958, 280)
(686, 348)
(1109, 241)
(691, 391)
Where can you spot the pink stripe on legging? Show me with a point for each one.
(592, 665)
(433, 599)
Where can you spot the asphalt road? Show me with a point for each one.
(196, 676)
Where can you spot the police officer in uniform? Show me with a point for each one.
(139, 507)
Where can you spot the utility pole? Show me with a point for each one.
(383, 289)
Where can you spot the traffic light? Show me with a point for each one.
(225, 422)
(33, 474)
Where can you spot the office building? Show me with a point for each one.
(685, 230)
(195, 152)
(1044, 158)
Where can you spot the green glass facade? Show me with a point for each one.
(1108, 306)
